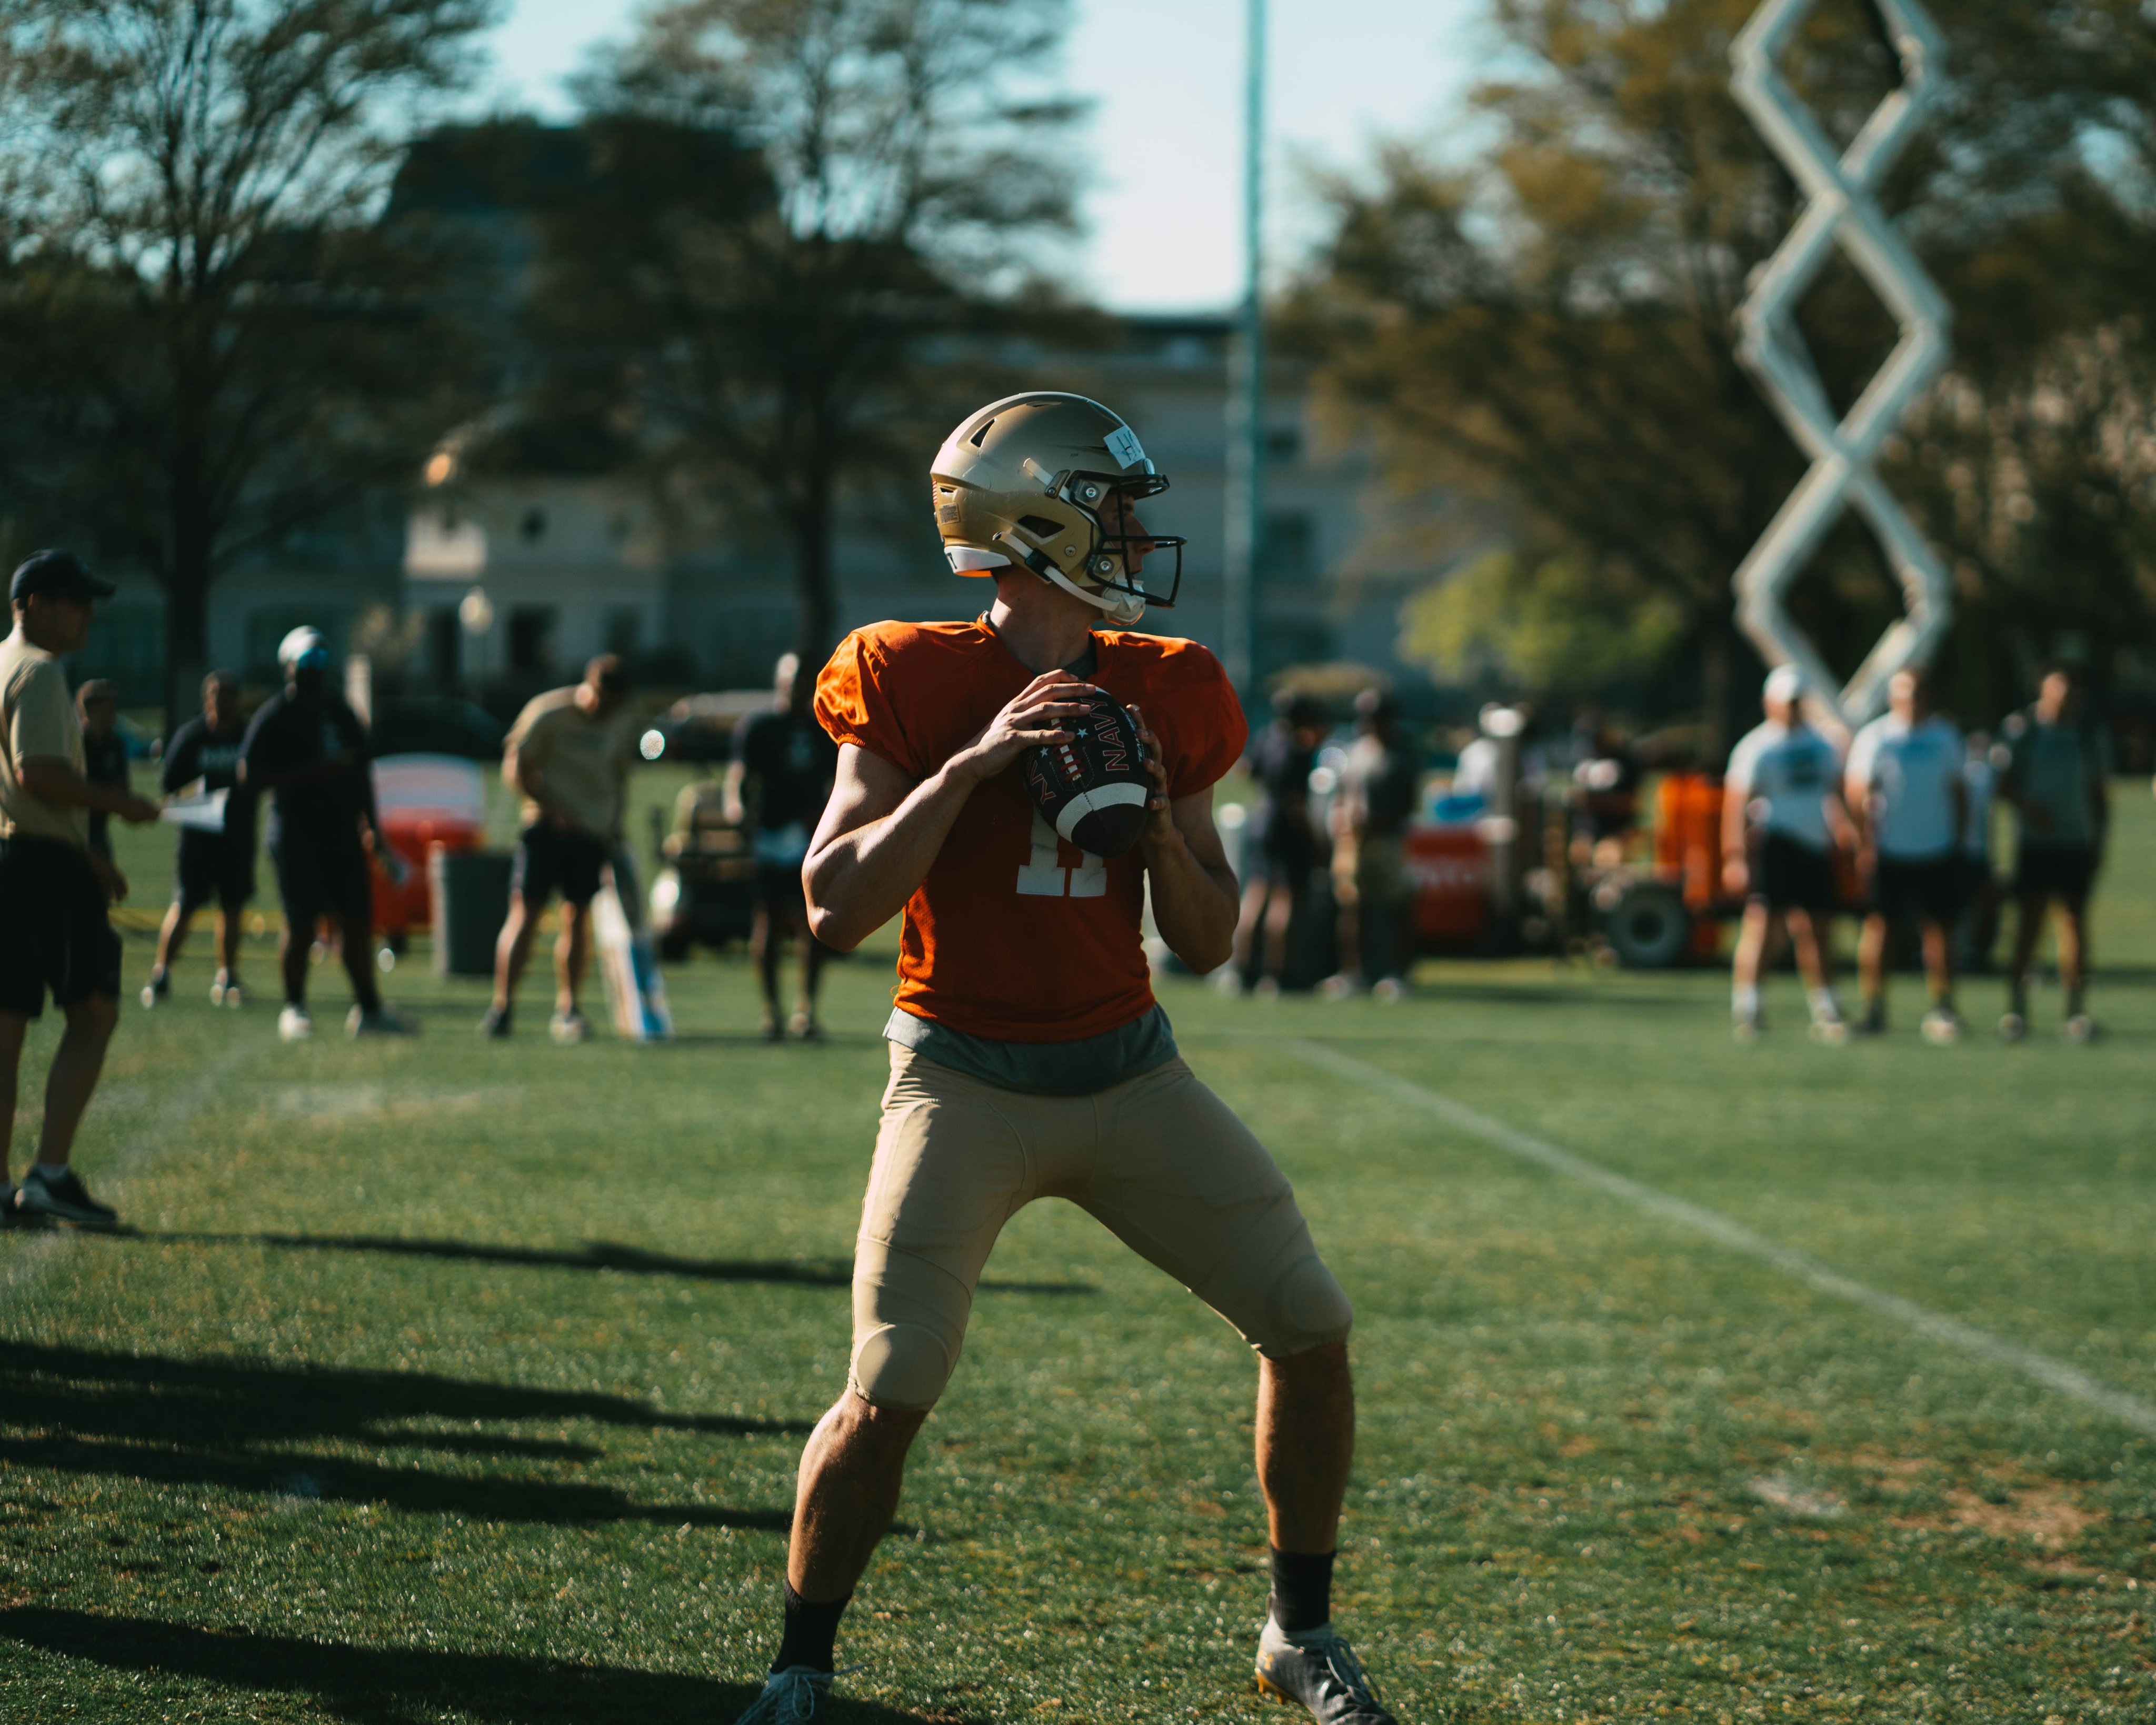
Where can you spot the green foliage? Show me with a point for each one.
(1547, 321)
(1547, 624)
(771, 330)
(207, 341)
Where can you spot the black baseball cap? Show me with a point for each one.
(58, 574)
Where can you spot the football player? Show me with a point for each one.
(1028, 1056)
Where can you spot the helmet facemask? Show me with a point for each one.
(1074, 547)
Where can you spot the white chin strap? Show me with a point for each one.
(1120, 606)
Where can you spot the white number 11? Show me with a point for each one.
(1044, 876)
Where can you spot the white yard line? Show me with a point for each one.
(27, 1258)
(2042, 1368)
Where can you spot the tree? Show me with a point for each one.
(222, 343)
(1551, 323)
(765, 320)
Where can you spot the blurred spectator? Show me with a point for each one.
(1781, 814)
(221, 864)
(307, 747)
(104, 752)
(1283, 847)
(568, 755)
(2058, 764)
(1605, 780)
(1905, 792)
(778, 784)
(1379, 782)
(55, 933)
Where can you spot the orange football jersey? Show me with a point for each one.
(1016, 933)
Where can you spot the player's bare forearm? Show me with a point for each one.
(871, 854)
(881, 829)
(1193, 902)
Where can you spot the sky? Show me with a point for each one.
(1164, 200)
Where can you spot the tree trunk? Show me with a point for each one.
(814, 530)
(187, 615)
(1717, 653)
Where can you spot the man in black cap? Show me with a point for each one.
(218, 864)
(307, 745)
(54, 934)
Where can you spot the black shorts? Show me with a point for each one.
(783, 891)
(321, 877)
(1926, 892)
(214, 866)
(55, 935)
(2065, 872)
(1790, 876)
(549, 861)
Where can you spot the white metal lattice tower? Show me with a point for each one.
(1840, 210)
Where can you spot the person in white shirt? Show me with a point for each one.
(1904, 788)
(1781, 817)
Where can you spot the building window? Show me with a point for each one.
(1289, 550)
(1283, 442)
(127, 645)
(534, 525)
(531, 637)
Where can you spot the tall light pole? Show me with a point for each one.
(1240, 535)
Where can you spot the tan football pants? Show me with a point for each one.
(1160, 1161)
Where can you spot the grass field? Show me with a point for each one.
(453, 1382)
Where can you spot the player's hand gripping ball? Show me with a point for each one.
(1093, 787)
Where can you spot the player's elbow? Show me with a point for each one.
(831, 930)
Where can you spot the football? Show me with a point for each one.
(1092, 786)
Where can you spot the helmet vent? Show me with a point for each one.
(1040, 527)
(975, 440)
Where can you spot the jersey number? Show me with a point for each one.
(1044, 876)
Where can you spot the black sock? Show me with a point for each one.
(1302, 1590)
(812, 1633)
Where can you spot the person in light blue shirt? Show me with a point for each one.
(1905, 790)
(1781, 817)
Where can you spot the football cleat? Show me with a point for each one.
(498, 1025)
(1320, 1671)
(381, 1022)
(2013, 1026)
(1941, 1027)
(294, 1024)
(569, 1027)
(227, 991)
(2079, 1028)
(158, 990)
(1747, 1027)
(60, 1194)
(794, 1694)
(1829, 1030)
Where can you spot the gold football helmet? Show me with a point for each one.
(1024, 481)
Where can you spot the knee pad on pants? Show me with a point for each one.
(901, 1366)
(909, 1324)
(1309, 1309)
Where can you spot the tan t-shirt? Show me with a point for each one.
(581, 760)
(37, 720)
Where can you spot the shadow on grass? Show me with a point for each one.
(230, 1423)
(394, 1685)
(592, 1254)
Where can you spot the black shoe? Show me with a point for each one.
(63, 1197)
(497, 1023)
